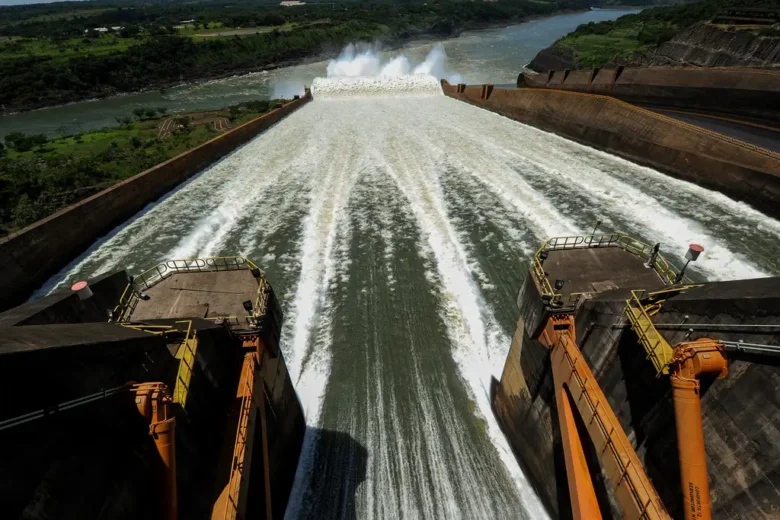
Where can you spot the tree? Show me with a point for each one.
(151, 113)
(139, 112)
(129, 31)
(162, 110)
(2, 150)
(14, 137)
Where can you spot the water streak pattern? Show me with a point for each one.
(396, 231)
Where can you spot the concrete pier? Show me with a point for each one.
(741, 414)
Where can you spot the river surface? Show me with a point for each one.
(396, 230)
(396, 225)
(490, 56)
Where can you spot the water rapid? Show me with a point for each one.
(396, 225)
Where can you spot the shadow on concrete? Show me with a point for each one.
(338, 469)
(651, 417)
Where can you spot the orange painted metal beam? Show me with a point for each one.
(633, 488)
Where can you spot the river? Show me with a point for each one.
(495, 55)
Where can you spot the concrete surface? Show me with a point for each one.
(198, 295)
(726, 90)
(762, 135)
(598, 269)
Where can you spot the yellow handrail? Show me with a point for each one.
(656, 346)
(189, 346)
(661, 266)
(154, 275)
(159, 272)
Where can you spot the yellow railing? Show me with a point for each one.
(127, 302)
(658, 349)
(187, 355)
(161, 271)
(625, 242)
(149, 278)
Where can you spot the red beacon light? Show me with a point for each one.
(694, 250)
(82, 290)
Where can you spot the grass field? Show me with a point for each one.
(64, 49)
(619, 43)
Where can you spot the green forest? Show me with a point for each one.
(598, 44)
(39, 176)
(150, 46)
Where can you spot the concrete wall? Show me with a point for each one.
(746, 92)
(29, 257)
(737, 169)
(741, 413)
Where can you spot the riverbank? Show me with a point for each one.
(323, 55)
(493, 55)
(80, 68)
(679, 35)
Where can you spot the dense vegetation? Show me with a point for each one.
(152, 47)
(598, 44)
(40, 176)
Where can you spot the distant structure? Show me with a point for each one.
(104, 29)
(748, 16)
(292, 3)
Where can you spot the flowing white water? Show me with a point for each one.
(396, 224)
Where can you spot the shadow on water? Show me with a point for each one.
(337, 471)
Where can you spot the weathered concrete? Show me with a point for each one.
(741, 413)
(30, 256)
(749, 93)
(54, 349)
(737, 169)
(64, 306)
(203, 295)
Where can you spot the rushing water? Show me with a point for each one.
(495, 55)
(396, 225)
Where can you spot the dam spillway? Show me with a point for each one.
(392, 229)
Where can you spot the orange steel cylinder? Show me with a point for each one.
(164, 434)
(690, 443)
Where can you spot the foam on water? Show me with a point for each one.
(380, 136)
(413, 85)
(367, 73)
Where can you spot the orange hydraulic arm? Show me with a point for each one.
(576, 389)
(691, 360)
(154, 403)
